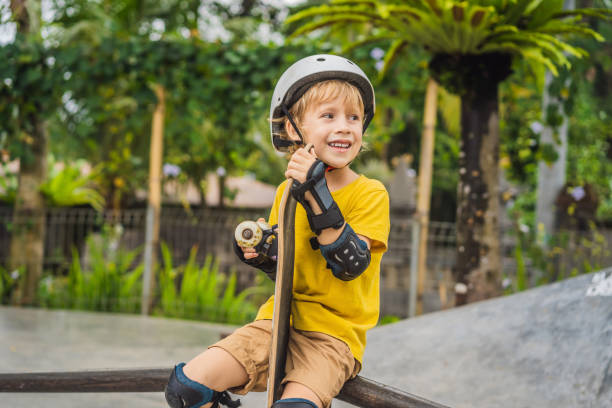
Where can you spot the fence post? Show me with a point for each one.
(414, 266)
(424, 186)
(154, 204)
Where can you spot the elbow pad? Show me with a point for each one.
(348, 256)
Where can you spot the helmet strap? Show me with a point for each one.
(290, 117)
(368, 118)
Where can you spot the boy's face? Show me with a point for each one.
(334, 128)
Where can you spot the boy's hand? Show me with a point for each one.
(300, 163)
(249, 253)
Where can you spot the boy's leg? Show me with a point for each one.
(294, 390)
(237, 363)
(318, 365)
(205, 380)
(206, 367)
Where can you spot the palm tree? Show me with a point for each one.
(472, 46)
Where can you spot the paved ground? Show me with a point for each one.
(547, 347)
(40, 340)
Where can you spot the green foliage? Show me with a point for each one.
(451, 29)
(582, 94)
(542, 259)
(97, 69)
(201, 292)
(459, 35)
(67, 186)
(590, 143)
(521, 269)
(520, 109)
(8, 184)
(388, 319)
(8, 282)
(28, 91)
(109, 281)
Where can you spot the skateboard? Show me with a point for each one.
(282, 294)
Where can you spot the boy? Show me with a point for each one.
(341, 231)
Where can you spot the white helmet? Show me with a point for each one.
(303, 74)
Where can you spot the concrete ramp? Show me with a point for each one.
(546, 347)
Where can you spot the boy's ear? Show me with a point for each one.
(291, 130)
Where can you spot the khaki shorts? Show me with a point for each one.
(316, 360)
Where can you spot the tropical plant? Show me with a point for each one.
(201, 292)
(566, 254)
(68, 186)
(472, 46)
(8, 184)
(106, 277)
(8, 282)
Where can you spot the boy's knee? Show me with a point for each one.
(294, 403)
(182, 392)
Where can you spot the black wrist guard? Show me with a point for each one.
(267, 250)
(316, 184)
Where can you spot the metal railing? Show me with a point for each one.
(359, 391)
(211, 231)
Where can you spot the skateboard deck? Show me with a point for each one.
(282, 294)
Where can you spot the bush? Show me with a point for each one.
(110, 281)
(201, 292)
(541, 260)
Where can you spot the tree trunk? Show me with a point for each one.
(28, 229)
(478, 269)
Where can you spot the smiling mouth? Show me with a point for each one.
(339, 145)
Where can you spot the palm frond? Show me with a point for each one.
(550, 48)
(401, 9)
(532, 6)
(515, 12)
(327, 10)
(531, 54)
(368, 3)
(368, 40)
(391, 55)
(502, 30)
(565, 29)
(526, 28)
(324, 22)
(543, 12)
(599, 13)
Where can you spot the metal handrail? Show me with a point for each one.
(359, 391)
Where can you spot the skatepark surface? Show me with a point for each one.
(546, 347)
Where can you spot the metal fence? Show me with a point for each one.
(211, 231)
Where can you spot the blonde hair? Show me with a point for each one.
(321, 92)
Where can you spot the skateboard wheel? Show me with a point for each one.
(248, 234)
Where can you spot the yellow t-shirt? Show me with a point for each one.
(322, 302)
